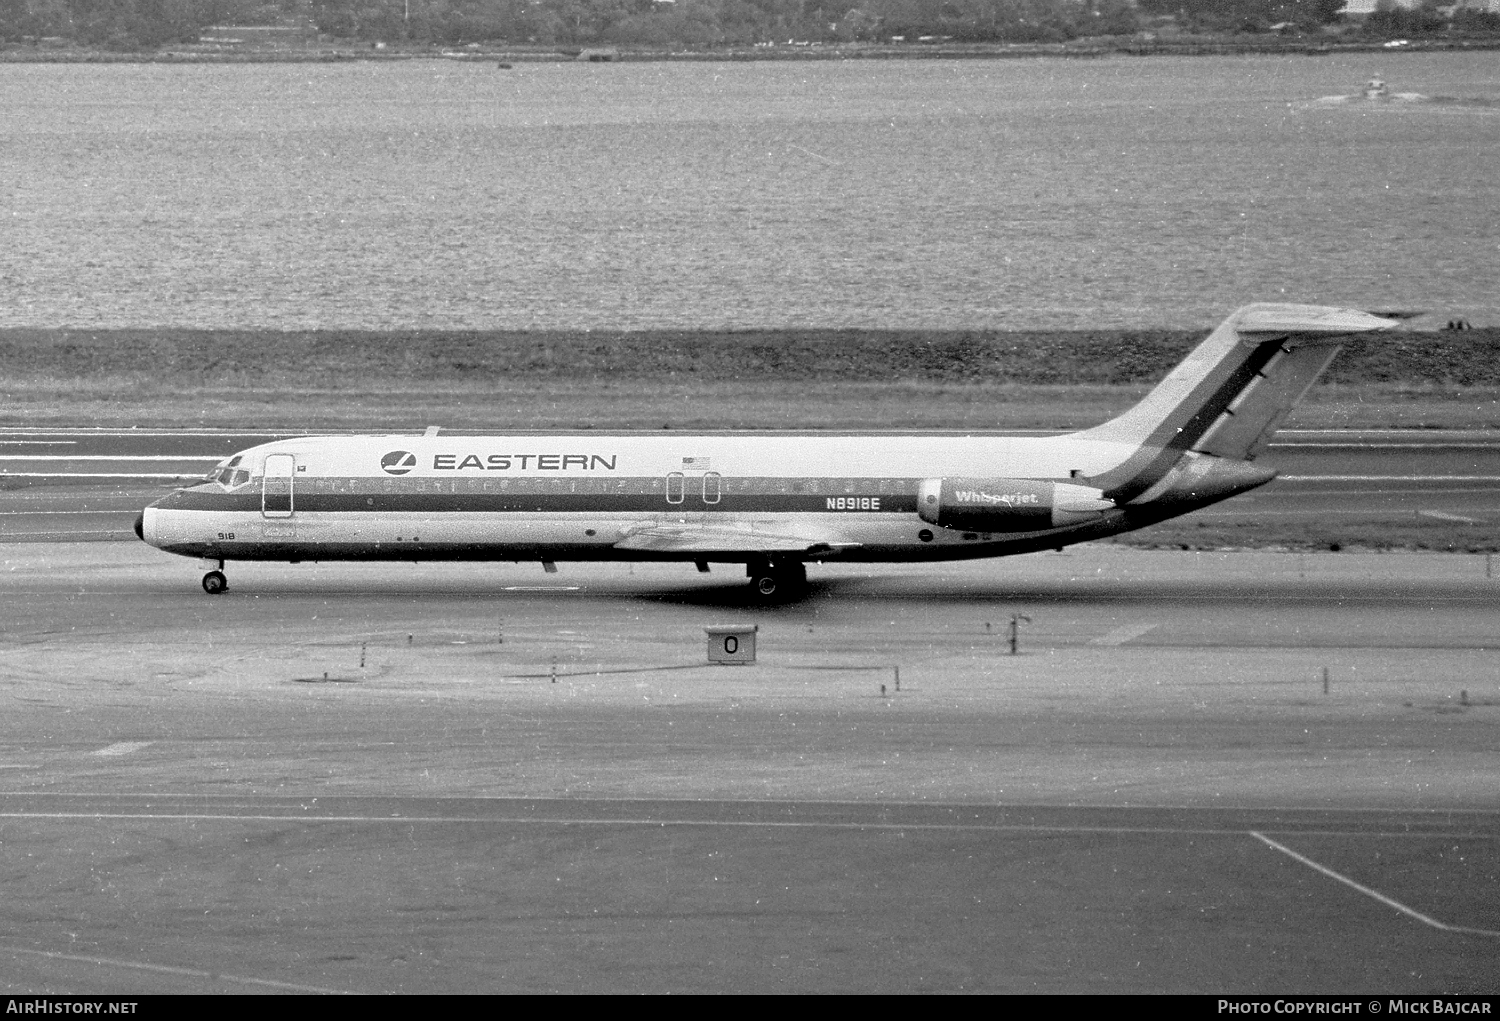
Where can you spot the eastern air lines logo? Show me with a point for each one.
(398, 462)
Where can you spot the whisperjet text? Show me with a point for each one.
(524, 462)
(979, 496)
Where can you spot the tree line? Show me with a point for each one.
(146, 24)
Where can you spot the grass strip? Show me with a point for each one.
(799, 379)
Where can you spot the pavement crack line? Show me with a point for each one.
(1368, 892)
(1124, 633)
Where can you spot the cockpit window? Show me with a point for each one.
(227, 475)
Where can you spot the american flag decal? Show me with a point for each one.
(696, 463)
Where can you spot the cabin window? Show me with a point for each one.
(711, 487)
(676, 487)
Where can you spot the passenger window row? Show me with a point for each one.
(674, 486)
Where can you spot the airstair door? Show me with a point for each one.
(276, 500)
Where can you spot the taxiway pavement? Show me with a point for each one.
(446, 778)
(84, 484)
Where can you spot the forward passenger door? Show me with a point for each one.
(276, 497)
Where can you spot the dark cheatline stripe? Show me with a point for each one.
(1243, 375)
(249, 500)
(1151, 463)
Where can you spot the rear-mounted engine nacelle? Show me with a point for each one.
(1008, 505)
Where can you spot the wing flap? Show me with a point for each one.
(686, 538)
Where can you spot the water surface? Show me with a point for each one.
(960, 194)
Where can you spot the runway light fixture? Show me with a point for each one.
(1015, 631)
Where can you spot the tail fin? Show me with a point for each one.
(1230, 394)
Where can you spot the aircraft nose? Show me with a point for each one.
(140, 526)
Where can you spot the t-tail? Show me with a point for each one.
(1196, 433)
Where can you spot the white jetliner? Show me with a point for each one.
(770, 503)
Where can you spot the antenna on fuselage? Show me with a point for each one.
(432, 430)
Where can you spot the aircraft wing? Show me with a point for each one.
(695, 538)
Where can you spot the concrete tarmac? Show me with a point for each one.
(1227, 773)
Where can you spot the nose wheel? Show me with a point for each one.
(214, 582)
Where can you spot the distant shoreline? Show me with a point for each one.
(1125, 47)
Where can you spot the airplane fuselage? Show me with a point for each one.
(772, 503)
(717, 498)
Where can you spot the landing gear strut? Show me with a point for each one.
(214, 581)
(777, 582)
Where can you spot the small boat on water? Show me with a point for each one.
(1377, 91)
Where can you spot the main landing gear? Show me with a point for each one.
(214, 581)
(777, 582)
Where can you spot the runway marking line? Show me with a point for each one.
(1388, 478)
(7, 536)
(52, 513)
(98, 475)
(1368, 892)
(1439, 445)
(735, 823)
(1445, 516)
(167, 969)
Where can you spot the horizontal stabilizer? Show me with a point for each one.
(1308, 320)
